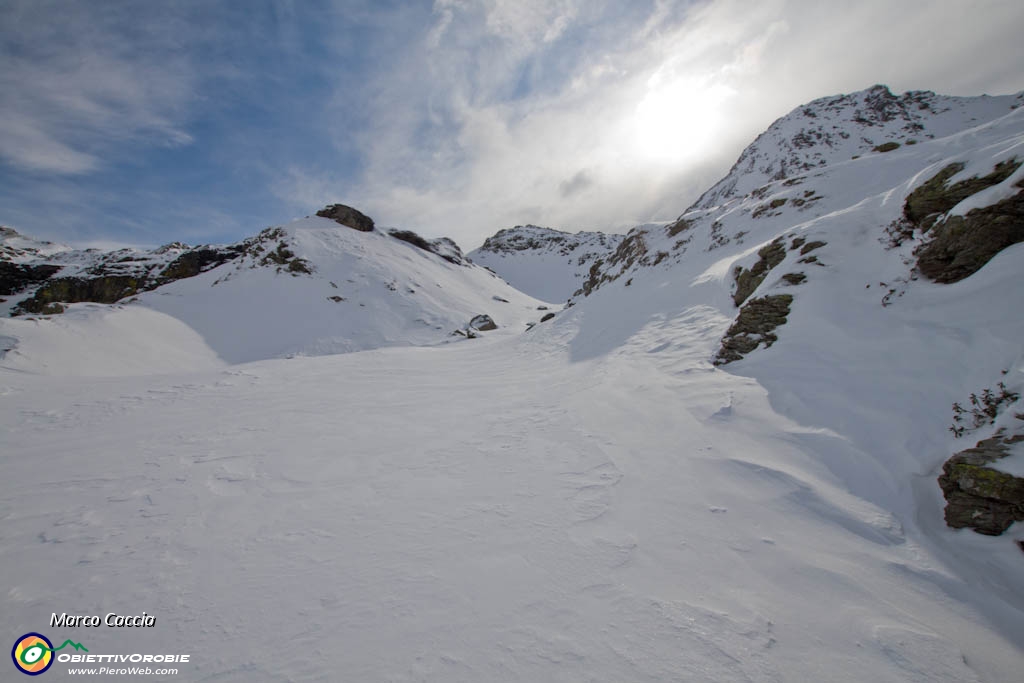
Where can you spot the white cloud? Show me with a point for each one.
(307, 191)
(461, 119)
(25, 144)
(490, 119)
(525, 21)
(75, 82)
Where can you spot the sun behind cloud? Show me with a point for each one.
(677, 119)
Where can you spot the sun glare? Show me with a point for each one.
(677, 120)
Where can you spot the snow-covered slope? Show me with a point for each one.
(593, 499)
(312, 287)
(868, 354)
(545, 263)
(364, 290)
(96, 340)
(486, 511)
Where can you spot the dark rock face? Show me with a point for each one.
(933, 198)
(109, 277)
(347, 216)
(748, 280)
(483, 323)
(546, 317)
(979, 497)
(105, 290)
(197, 261)
(755, 324)
(963, 244)
(412, 238)
(15, 277)
(108, 288)
(442, 246)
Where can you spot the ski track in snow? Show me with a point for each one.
(483, 511)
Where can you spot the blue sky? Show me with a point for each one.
(144, 122)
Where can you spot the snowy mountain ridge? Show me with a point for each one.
(543, 262)
(837, 128)
(803, 185)
(311, 287)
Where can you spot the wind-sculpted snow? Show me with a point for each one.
(488, 510)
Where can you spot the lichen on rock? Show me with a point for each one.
(980, 497)
(933, 198)
(962, 245)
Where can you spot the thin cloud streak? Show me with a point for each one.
(73, 89)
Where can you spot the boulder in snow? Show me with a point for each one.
(482, 323)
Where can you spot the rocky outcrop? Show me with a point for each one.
(963, 244)
(960, 246)
(104, 289)
(347, 216)
(979, 497)
(747, 280)
(197, 261)
(933, 198)
(442, 246)
(109, 282)
(17, 277)
(109, 277)
(755, 325)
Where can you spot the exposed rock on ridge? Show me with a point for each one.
(347, 216)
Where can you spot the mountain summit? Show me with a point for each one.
(837, 128)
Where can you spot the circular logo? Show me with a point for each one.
(32, 654)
